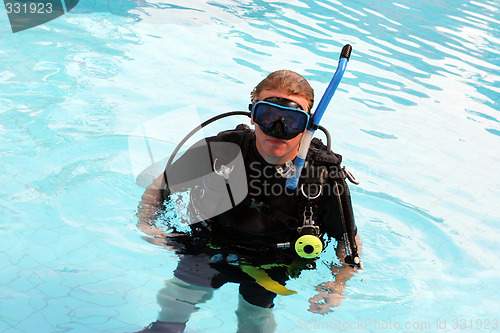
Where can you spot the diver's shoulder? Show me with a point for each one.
(236, 135)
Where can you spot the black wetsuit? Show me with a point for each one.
(270, 214)
(267, 186)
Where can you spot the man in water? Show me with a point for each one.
(253, 242)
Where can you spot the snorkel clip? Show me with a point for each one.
(287, 171)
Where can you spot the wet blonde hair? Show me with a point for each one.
(286, 81)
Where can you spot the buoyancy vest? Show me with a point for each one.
(275, 218)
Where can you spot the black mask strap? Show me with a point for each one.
(284, 102)
(280, 101)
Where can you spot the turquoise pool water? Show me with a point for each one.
(416, 118)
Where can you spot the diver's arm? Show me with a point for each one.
(149, 206)
(187, 167)
(330, 292)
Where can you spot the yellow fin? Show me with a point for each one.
(265, 281)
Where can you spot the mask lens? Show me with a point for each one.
(265, 114)
(296, 121)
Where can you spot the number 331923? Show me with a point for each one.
(32, 8)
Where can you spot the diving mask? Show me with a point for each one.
(280, 117)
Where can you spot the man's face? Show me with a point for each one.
(274, 150)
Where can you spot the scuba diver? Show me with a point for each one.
(264, 233)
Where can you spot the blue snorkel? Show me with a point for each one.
(293, 181)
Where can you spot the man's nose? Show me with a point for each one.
(279, 127)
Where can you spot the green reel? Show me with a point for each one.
(308, 246)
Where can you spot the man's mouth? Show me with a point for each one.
(274, 141)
